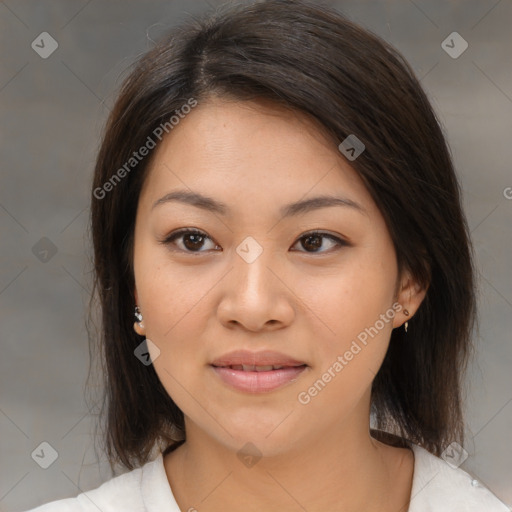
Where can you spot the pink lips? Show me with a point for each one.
(257, 372)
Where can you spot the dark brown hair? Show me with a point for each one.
(311, 59)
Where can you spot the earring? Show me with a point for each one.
(138, 325)
(406, 325)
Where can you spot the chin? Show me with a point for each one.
(271, 436)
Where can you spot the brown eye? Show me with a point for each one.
(193, 242)
(189, 240)
(314, 242)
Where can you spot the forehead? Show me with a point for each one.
(250, 151)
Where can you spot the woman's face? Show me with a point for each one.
(254, 279)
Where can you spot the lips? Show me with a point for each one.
(256, 361)
(253, 368)
(257, 372)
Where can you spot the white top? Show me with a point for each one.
(436, 487)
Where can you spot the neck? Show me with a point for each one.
(344, 470)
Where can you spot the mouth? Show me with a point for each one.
(254, 368)
(257, 372)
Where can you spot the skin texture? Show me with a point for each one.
(309, 305)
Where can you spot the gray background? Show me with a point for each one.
(52, 112)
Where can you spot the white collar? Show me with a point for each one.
(439, 487)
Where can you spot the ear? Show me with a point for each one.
(139, 328)
(410, 295)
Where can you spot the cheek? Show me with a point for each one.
(351, 298)
(348, 360)
(175, 299)
(176, 319)
(349, 304)
(178, 327)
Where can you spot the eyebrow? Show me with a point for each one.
(300, 207)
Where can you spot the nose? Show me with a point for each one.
(255, 296)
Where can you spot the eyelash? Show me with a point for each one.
(191, 231)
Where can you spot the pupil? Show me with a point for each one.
(314, 245)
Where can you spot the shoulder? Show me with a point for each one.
(136, 491)
(438, 486)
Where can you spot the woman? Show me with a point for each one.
(281, 256)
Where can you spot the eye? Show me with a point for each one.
(193, 240)
(314, 241)
(189, 240)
